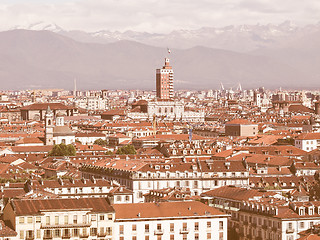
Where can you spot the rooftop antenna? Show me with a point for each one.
(221, 86)
(75, 87)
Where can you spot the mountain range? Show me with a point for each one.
(46, 56)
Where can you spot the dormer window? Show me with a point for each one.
(157, 167)
(301, 211)
(311, 211)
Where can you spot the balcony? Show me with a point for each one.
(102, 234)
(290, 230)
(30, 237)
(66, 236)
(78, 225)
(47, 237)
(84, 235)
(158, 232)
(184, 231)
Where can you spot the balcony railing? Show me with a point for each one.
(47, 236)
(78, 225)
(66, 236)
(102, 234)
(84, 235)
(184, 231)
(291, 230)
(158, 232)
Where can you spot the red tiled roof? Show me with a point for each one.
(164, 210)
(240, 121)
(44, 106)
(32, 207)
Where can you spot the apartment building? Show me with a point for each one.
(169, 221)
(88, 218)
(263, 215)
(142, 176)
(308, 141)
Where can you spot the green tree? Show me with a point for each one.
(63, 150)
(100, 142)
(127, 149)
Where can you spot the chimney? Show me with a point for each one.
(317, 107)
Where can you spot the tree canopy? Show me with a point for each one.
(63, 150)
(101, 142)
(127, 149)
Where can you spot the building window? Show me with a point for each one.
(38, 219)
(38, 233)
(185, 237)
(134, 227)
(209, 236)
(171, 237)
(220, 225)
(196, 226)
(196, 236)
(76, 232)
(184, 226)
(134, 237)
(93, 231)
(56, 220)
(158, 226)
(171, 227)
(29, 220)
(121, 228)
(75, 219)
(109, 231)
(66, 219)
(109, 216)
(220, 235)
(66, 233)
(21, 220)
(47, 220)
(21, 234)
(146, 228)
(146, 238)
(208, 224)
(57, 233)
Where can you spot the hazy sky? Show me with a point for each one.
(155, 15)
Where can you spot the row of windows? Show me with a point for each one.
(66, 233)
(66, 219)
(172, 237)
(172, 227)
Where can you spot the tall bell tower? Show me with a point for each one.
(49, 127)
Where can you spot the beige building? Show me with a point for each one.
(241, 127)
(88, 218)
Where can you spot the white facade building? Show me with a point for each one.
(169, 221)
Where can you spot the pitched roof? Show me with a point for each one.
(44, 106)
(235, 193)
(164, 210)
(33, 206)
(240, 121)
